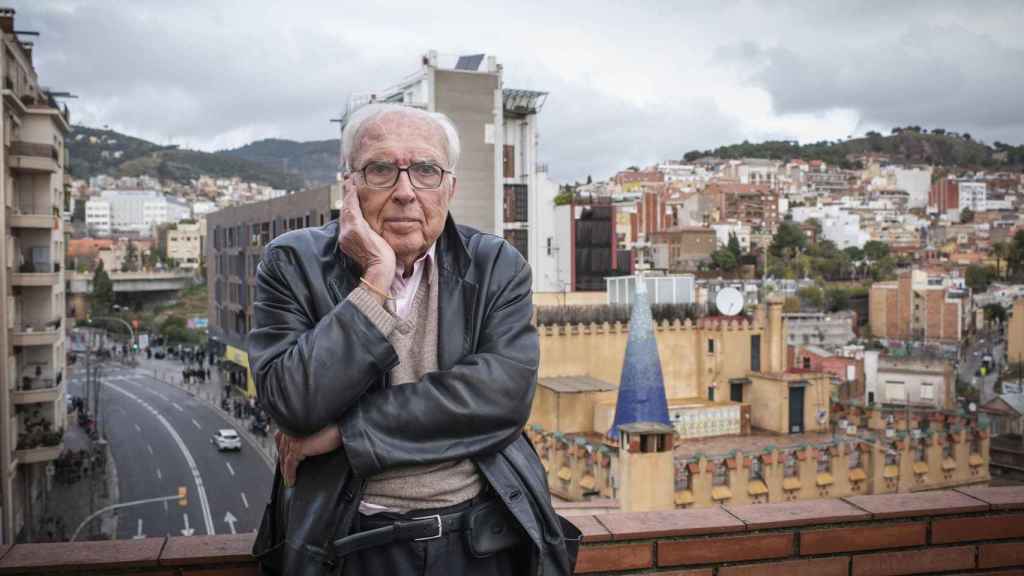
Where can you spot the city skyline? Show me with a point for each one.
(627, 86)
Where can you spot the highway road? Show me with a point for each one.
(985, 341)
(160, 439)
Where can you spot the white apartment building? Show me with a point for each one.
(973, 195)
(185, 244)
(837, 225)
(32, 407)
(132, 211)
(502, 187)
(915, 181)
(97, 217)
(724, 230)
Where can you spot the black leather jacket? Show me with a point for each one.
(317, 360)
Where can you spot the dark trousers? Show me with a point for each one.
(448, 555)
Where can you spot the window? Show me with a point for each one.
(721, 474)
(756, 469)
(711, 345)
(806, 362)
(755, 353)
(854, 457)
(683, 477)
(892, 454)
(894, 390)
(927, 391)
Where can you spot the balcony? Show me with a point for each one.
(37, 390)
(964, 532)
(37, 333)
(39, 442)
(27, 215)
(30, 157)
(38, 274)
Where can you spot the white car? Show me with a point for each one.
(226, 439)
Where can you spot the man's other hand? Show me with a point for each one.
(292, 450)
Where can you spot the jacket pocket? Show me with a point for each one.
(573, 537)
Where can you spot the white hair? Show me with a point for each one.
(371, 112)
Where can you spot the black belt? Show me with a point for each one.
(415, 529)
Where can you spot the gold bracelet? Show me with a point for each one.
(375, 290)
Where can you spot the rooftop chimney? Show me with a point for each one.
(7, 20)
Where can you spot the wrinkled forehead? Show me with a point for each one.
(402, 129)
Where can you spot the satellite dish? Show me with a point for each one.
(729, 301)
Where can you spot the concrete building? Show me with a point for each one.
(32, 408)
(682, 249)
(185, 244)
(944, 198)
(1015, 334)
(132, 211)
(827, 330)
(973, 196)
(502, 187)
(915, 181)
(838, 225)
(234, 248)
(923, 382)
(918, 307)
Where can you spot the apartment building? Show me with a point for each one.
(32, 407)
(918, 307)
(185, 244)
(683, 249)
(237, 236)
(502, 188)
(133, 211)
(1015, 334)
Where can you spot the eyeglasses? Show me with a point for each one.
(422, 175)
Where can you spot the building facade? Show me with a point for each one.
(132, 211)
(185, 244)
(918, 307)
(1015, 334)
(237, 237)
(683, 249)
(502, 187)
(32, 407)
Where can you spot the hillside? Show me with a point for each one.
(911, 144)
(94, 151)
(316, 161)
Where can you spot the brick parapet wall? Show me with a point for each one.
(977, 530)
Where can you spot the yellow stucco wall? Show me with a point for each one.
(1015, 334)
(769, 394)
(646, 481)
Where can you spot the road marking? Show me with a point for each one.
(187, 531)
(139, 535)
(197, 424)
(175, 404)
(230, 519)
(196, 477)
(137, 429)
(165, 508)
(244, 501)
(159, 475)
(230, 469)
(150, 448)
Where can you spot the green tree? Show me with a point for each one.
(812, 296)
(837, 299)
(734, 245)
(131, 258)
(966, 216)
(789, 240)
(995, 313)
(102, 290)
(875, 249)
(724, 259)
(854, 254)
(1000, 250)
(978, 278)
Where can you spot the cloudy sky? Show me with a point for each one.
(629, 82)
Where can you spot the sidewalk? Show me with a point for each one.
(68, 504)
(169, 371)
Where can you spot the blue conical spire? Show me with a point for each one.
(642, 387)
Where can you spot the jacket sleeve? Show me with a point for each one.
(477, 407)
(309, 372)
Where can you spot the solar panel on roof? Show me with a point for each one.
(471, 62)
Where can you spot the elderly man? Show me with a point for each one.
(394, 350)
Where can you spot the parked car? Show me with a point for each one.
(226, 439)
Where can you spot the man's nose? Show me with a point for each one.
(404, 193)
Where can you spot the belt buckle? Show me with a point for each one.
(436, 517)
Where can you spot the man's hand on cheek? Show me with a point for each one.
(360, 242)
(291, 450)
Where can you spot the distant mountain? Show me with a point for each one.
(911, 144)
(316, 161)
(94, 151)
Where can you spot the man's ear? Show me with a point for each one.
(451, 193)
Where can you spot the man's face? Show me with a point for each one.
(409, 220)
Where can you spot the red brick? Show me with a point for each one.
(917, 504)
(1001, 554)
(949, 530)
(635, 525)
(858, 538)
(799, 513)
(615, 557)
(593, 531)
(65, 556)
(926, 561)
(837, 566)
(197, 550)
(699, 572)
(3, 551)
(731, 549)
(998, 497)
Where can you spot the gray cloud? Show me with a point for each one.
(629, 84)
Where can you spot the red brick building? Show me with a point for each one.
(917, 307)
(944, 196)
